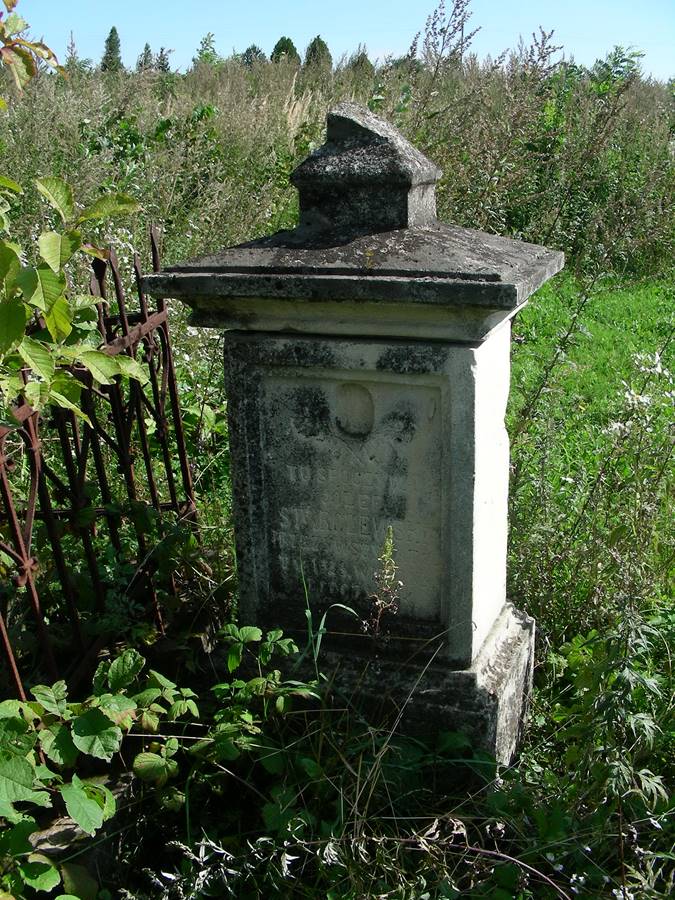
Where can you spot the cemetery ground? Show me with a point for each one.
(269, 791)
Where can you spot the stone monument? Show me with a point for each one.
(367, 373)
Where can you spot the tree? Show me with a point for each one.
(162, 60)
(112, 58)
(285, 49)
(318, 55)
(360, 65)
(146, 61)
(252, 55)
(73, 64)
(206, 52)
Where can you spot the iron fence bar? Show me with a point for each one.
(80, 503)
(186, 473)
(11, 659)
(26, 563)
(47, 516)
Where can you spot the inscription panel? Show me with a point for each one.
(345, 457)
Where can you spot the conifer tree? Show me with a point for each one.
(146, 61)
(206, 52)
(252, 55)
(112, 58)
(318, 55)
(360, 65)
(285, 49)
(162, 60)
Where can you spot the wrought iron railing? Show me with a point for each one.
(86, 502)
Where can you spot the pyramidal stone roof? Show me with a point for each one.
(368, 235)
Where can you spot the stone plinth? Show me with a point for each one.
(367, 371)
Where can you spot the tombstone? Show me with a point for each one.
(367, 375)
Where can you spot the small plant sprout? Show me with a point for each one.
(386, 597)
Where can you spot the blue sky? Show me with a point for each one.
(586, 28)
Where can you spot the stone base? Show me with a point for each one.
(487, 701)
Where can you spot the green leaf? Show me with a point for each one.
(53, 699)
(154, 768)
(156, 679)
(78, 882)
(82, 809)
(15, 24)
(20, 63)
(132, 368)
(10, 263)
(37, 357)
(56, 249)
(119, 709)
(39, 873)
(103, 367)
(149, 721)
(17, 778)
(16, 738)
(95, 734)
(59, 400)
(124, 669)
(12, 323)
(58, 319)
(234, 655)
(7, 184)
(57, 744)
(249, 633)
(15, 841)
(40, 286)
(146, 697)
(59, 195)
(108, 206)
(10, 708)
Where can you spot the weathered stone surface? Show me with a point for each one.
(486, 701)
(437, 281)
(366, 176)
(335, 440)
(367, 369)
(368, 245)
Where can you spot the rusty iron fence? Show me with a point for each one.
(85, 503)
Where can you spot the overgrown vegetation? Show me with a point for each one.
(281, 795)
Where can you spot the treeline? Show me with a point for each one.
(317, 55)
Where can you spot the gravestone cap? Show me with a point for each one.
(366, 176)
(368, 258)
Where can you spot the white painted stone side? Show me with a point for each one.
(478, 474)
(491, 486)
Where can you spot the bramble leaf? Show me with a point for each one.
(39, 873)
(53, 699)
(95, 734)
(57, 744)
(86, 811)
(17, 779)
(16, 738)
(154, 768)
(124, 669)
